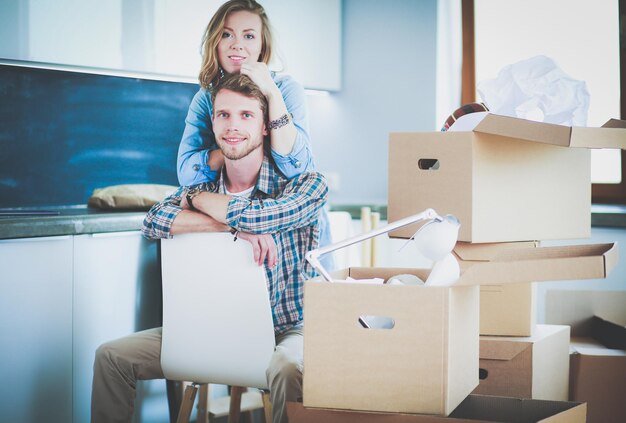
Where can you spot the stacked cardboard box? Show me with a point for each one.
(507, 182)
(598, 349)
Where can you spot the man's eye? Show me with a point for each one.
(222, 115)
(247, 115)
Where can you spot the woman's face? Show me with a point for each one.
(241, 40)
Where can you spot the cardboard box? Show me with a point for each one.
(508, 180)
(428, 362)
(598, 348)
(534, 367)
(505, 310)
(473, 408)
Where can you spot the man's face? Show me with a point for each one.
(238, 124)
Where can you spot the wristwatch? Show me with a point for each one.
(192, 193)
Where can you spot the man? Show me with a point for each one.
(258, 204)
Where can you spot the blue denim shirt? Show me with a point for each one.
(198, 140)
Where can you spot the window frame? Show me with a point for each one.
(600, 193)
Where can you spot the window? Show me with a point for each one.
(581, 36)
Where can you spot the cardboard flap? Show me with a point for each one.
(501, 409)
(467, 251)
(501, 350)
(574, 262)
(605, 137)
(610, 334)
(611, 135)
(615, 123)
(506, 126)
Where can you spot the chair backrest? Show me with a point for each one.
(217, 320)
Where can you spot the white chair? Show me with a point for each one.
(217, 320)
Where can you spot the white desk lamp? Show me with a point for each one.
(434, 240)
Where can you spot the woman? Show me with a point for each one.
(239, 39)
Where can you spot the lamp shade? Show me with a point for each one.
(437, 238)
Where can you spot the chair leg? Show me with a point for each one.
(267, 407)
(174, 397)
(203, 404)
(235, 404)
(187, 405)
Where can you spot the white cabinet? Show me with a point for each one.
(36, 330)
(117, 291)
(60, 298)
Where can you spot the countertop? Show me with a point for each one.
(77, 220)
(602, 215)
(66, 220)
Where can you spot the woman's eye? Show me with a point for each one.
(247, 115)
(249, 36)
(226, 35)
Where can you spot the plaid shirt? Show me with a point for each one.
(286, 208)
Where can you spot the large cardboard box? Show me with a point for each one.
(505, 310)
(473, 408)
(598, 349)
(526, 367)
(428, 362)
(507, 180)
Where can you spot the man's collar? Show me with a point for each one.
(265, 180)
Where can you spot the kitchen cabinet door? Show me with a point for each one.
(36, 329)
(117, 291)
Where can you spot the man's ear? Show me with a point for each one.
(265, 131)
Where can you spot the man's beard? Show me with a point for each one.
(233, 154)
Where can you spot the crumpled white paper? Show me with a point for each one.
(537, 89)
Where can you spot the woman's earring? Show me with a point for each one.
(221, 72)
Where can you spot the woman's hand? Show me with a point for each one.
(263, 247)
(261, 76)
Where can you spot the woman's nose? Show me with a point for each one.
(236, 45)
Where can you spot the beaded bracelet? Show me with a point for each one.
(280, 122)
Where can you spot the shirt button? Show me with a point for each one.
(297, 164)
(196, 167)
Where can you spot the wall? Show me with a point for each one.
(388, 84)
(164, 36)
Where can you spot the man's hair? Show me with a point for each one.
(209, 70)
(241, 84)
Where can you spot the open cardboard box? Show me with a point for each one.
(598, 348)
(473, 408)
(509, 179)
(428, 362)
(534, 367)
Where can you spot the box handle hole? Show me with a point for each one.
(482, 374)
(376, 322)
(428, 164)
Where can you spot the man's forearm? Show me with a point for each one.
(212, 205)
(193, 221)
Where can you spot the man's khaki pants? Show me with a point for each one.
(121, 363)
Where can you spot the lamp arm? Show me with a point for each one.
(313, 256)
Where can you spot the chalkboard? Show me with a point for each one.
(63, 134)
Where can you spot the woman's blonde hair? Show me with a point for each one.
(210, 68)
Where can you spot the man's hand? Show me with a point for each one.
(263, 247)
(184, 204)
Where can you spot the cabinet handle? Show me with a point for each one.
(36, 239)
(114, 234)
